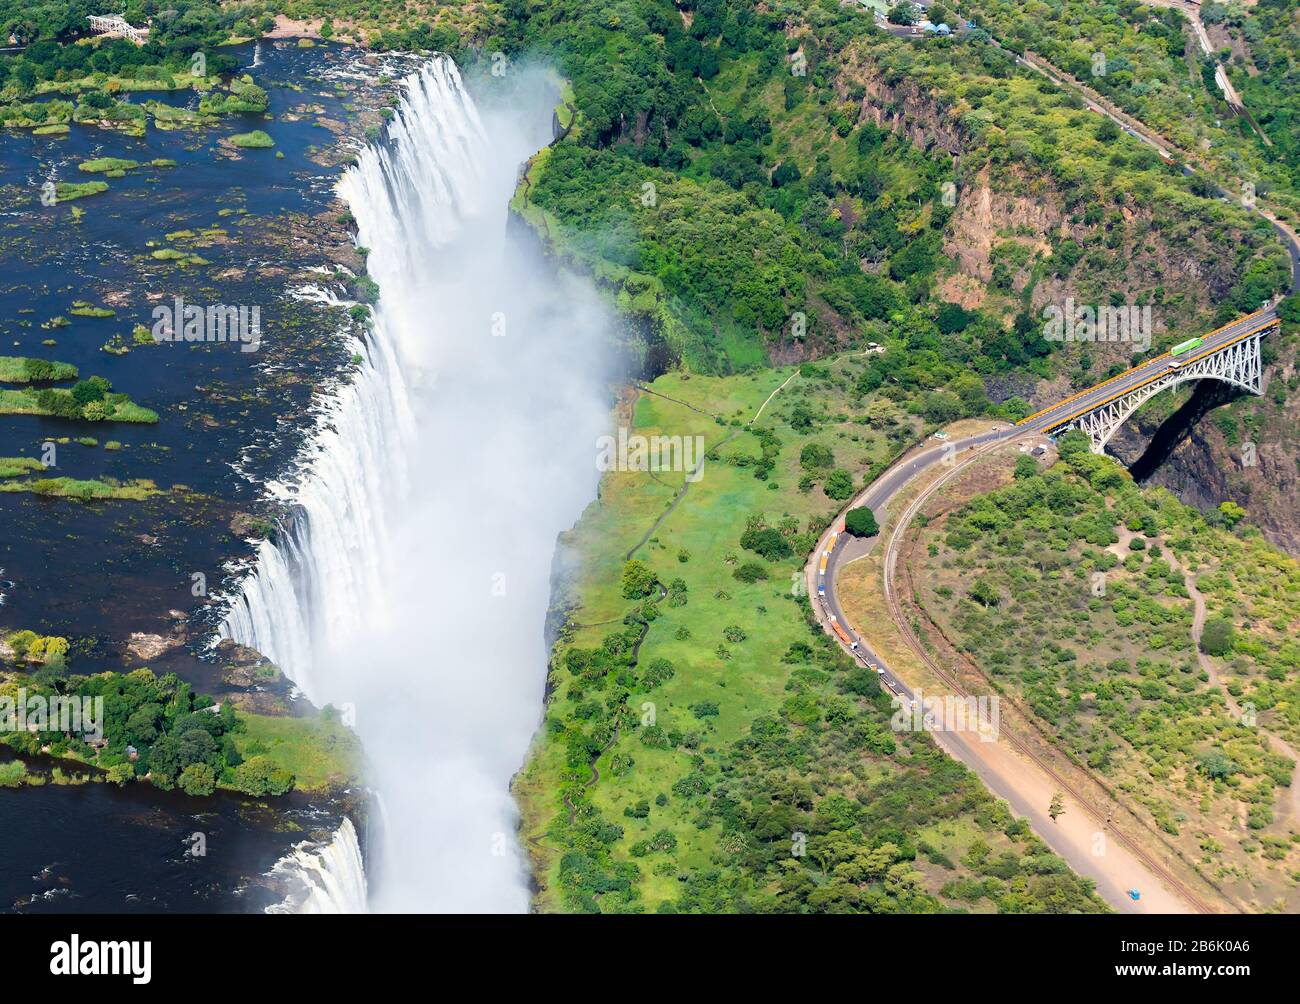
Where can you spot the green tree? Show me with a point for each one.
(768, 542)
(1216, 765)
(1218, 636)
(816, 457)
(86, 391)
(861, 522)
(839, 485)
(260, 775)
(904, 13)
(198, 779)
(942, 407)
(969, 388)
(1071, 442)
(638, 580)
(984, 594)
(121, 773)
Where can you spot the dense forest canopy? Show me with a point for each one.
(724, 171)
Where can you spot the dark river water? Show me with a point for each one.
(95, 848)
(229, 421)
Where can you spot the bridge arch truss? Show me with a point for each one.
(1237, 363)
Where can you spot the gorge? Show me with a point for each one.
(425, 518)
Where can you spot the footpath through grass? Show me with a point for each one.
(710, 749)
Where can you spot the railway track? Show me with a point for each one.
(1021, 746)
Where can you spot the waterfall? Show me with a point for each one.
(410, 581)
(323, 878)
(304, 593)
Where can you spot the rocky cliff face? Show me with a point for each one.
(984, 214)
(908, 108)
(1245, 452)
(1021, 206)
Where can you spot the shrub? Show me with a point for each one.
(1026, 467)
(767, 542)
(839, 485)
(1218, 636)
(659, 671)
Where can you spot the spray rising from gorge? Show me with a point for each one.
(412, 581)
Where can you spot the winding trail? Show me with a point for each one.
(1009, 766)
(697, 470)
(1278, 744)
(772, 395)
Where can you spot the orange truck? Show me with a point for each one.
(842, 634)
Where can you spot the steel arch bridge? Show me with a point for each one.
(1230, 354)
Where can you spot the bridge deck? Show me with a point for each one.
(1073, 407)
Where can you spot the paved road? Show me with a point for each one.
(1192, 12)
(1004, 775)
(1026, 789)
(1072, 407)
(1005, 772)
(1138, 131)
(877, 497)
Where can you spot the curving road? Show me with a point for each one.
(1008, 767)
(877, 497)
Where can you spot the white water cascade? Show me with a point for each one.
(412, 582)
(323, 878)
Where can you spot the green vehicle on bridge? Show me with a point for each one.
(1186, 346)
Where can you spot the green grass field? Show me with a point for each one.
(14, 467)
(135, 491)
(255, 140)
(22, 369)
(321, 753)
(118, 408)
(763, 731)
